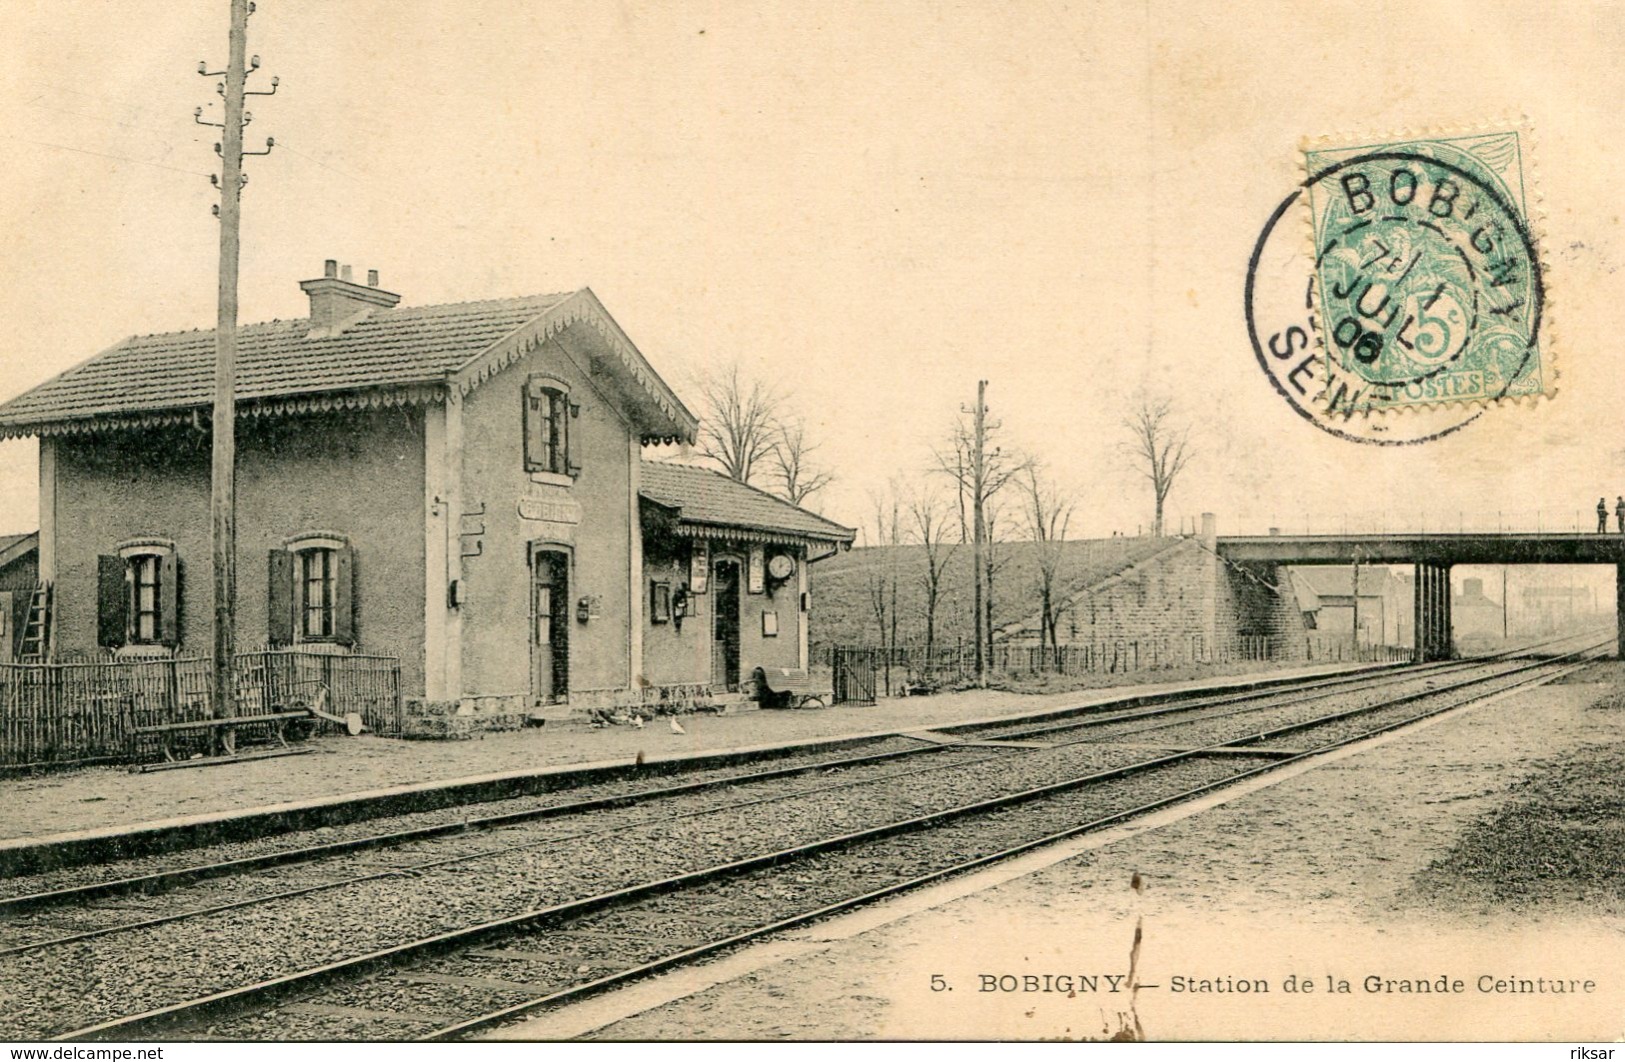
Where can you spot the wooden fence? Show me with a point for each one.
(909, 667)
(86, 710)
(354, 682)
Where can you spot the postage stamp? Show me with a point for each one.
(1416, 288)
(1427, 274)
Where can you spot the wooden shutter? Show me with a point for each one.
(565, 461)
(112, 603)
(169, 600)
(536, 427)
(344, 595)
(279, 598)
(528, 406)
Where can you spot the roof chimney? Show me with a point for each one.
(337, 302)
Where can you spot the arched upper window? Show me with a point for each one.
(548, 411)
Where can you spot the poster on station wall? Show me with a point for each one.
(757, 578)
(699, 567)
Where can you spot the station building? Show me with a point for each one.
(462, 486)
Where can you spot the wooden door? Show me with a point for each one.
(725, 624)
(549, 628)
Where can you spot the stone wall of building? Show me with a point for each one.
(357, 473)
(588, 516)
(681, 652)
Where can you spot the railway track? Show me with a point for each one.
(155, 875)
(921, 818)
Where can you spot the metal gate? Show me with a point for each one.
(854, 675)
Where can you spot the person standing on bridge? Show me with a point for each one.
(1602, 515)
(1619, 513)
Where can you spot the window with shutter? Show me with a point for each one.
(138, 595)
(312, 593)
(547, 426)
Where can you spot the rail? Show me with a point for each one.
(993, 842)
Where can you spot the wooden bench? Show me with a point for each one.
(788, 687)
(221, 733)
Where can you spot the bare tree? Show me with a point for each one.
(1159, 445)
(956, 461)
(931, 521)
(980, 469)
(882, 579)
(739, 422)
(799, 478)
(1049, 512)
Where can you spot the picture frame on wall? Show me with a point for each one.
(757, 575)
(659, 602)
(770, 624)
(699, 567)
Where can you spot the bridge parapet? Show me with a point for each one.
(1561, 547)
(1382, 522)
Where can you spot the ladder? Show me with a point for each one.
(36, 645)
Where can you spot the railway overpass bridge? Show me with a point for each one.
(1433, 554)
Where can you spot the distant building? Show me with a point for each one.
(1475, 614)
(19, 574)
(1545, 609)
(1326, 594)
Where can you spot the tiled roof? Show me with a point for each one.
(702, 496)
(175, 370)
(7, 541)
(13, 547)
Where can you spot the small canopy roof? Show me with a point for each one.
(708, 504)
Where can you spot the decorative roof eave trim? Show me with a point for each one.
(756, 534)
(291, 405)
(582, 307)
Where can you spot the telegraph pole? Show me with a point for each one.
(1504, 625)
(1356, 587)
(979, 551)
(223, 469)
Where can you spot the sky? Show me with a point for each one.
(871, 206)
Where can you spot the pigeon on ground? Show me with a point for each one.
(676, 727)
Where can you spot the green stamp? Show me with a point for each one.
(1426, 274)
